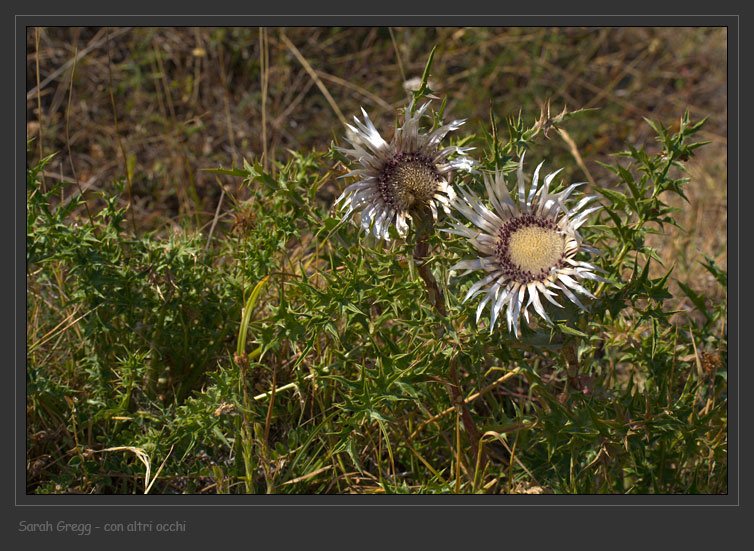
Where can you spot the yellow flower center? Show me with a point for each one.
(535, 249)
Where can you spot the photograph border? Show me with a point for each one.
(34, 506)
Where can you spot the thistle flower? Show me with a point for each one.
(524, 246)
(399, 179)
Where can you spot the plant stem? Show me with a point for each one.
(456, 396)
(424, 228)
(421, 252)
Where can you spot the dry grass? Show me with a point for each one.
(192, 98)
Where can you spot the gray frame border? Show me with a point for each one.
(128, 506)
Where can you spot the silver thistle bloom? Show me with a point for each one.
(527, 245)
(399, 178)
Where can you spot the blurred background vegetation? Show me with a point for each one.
(136, 116)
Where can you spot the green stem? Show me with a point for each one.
(424, 228)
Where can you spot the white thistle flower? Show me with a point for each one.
(524, 246)
(399, 178)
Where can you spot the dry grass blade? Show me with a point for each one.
(157, 474)
(500, 438)
(60, 70)
(364, 92)
(144, 458)
(264, 75)
(217, 215)
(60, 328)
(226, 105)
(307, 476)
(573, 148)
(315, 78)
(117, 134)
(468, 400)
(39, 97)
(397, 54)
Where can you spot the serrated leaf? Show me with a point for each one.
(240, 173)
(570, 330)
(246, 317)
(616, 197)
(695, 298)
(720, 275)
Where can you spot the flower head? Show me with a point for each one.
(399, 178)
(525, 246)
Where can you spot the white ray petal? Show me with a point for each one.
(369, 213)
(549, 178)
(460, 229)
(467, 265)
(547, 293)
(583, 217)
(400, 224)
(379, 221)
(520, 180)
(591, 250)
(573, 298)
(475, 202)
(534, 299)
(587, 265)
(525, 308)
(433, 208)
(574, 285)
(479, 284)
(484, 302)
(435, 137)
(461, 163)
(582, 203)
(503, 195)
(483, 223)
(501, 299)
(492, 196)
(563, 195)
(534, 184)
(589, 275)
(517, 308)
(511, 308)
(369, 133)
